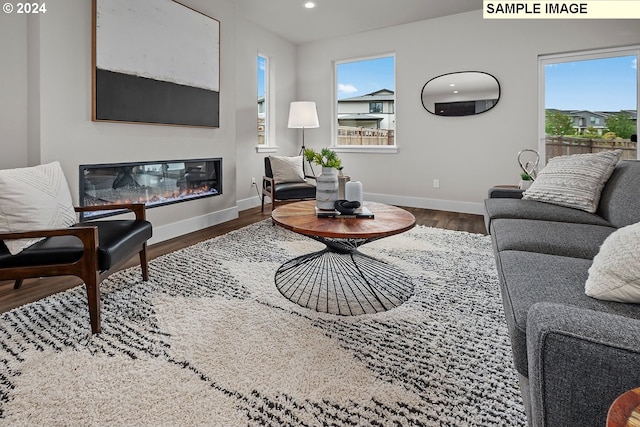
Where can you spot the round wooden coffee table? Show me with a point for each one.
(340, 279)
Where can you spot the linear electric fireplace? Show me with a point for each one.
(154, 183)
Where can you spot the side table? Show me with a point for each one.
(625, 410)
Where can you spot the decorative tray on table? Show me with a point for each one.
(361, 212)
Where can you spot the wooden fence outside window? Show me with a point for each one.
(365, 136)
(564, 145)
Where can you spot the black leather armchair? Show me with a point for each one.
(284, 190)
(89, 250)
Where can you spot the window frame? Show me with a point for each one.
(269, 103)
(585, 55)
(390, 149)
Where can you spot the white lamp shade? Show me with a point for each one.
(303, 114)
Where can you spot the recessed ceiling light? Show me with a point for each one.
(455, 91)
(452, 84)
(310, 4)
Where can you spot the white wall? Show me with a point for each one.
(45, 109)
(13, 91)
(467, 154)
(45, 105)
(251, 39)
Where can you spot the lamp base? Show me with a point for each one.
(303, 162)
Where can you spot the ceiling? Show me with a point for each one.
(332, 18)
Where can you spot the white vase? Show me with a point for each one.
(353, 191)
(327, 189)
(524, 185)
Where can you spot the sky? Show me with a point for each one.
(363, 77)
(608, 84)
(261, 81)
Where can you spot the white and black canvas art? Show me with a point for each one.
(155, 61)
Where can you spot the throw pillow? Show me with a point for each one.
(615, 272)
(574, 181)
(34, 198)
(287, 169)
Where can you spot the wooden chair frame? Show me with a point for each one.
(86, 268)
(268, 190)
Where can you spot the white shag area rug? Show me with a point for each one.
(210, 341)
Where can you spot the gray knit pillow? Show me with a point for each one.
(574, 181)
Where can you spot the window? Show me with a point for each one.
(575, 86)
(263, 101)
(365, 118)
(375, 107)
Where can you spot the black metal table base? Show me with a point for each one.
(341, 280)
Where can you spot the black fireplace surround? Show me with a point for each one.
(154, 183)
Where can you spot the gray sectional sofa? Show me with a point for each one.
(574, 354)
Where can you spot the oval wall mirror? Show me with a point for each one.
(461, 94)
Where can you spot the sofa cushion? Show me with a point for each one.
(615, 272)
(574, 181)
(529, 278)
(531, 209)
(34, 198)
(549, 237)
(620, 199)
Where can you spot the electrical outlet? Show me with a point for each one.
(436, 183)
(253, 180)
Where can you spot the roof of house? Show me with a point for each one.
(379, 95)
(358, 117)
(582, 112)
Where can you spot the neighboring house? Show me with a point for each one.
(375, 110)
(582, 120)
(261, 119)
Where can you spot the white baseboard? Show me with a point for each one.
(412, 202)
(249, 203)
(419, 202)
(176, 229)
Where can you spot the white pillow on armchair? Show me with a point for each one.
(34, 198)
(287, 169)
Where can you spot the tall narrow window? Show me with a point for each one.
(263, 104)
(365, 104)
(590, 102)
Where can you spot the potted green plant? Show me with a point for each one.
(327, 181)
(525, 181)
(326, 158)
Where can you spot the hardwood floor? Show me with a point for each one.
(35, 289)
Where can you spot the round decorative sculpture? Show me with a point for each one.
(345, 207)
(529, 167)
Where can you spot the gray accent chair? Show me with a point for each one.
(573, 354)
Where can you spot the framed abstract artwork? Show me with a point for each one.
(156, 62)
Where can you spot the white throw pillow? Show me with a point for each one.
(574, 181)
(34, 198)
(615, 272)
(287, 169)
